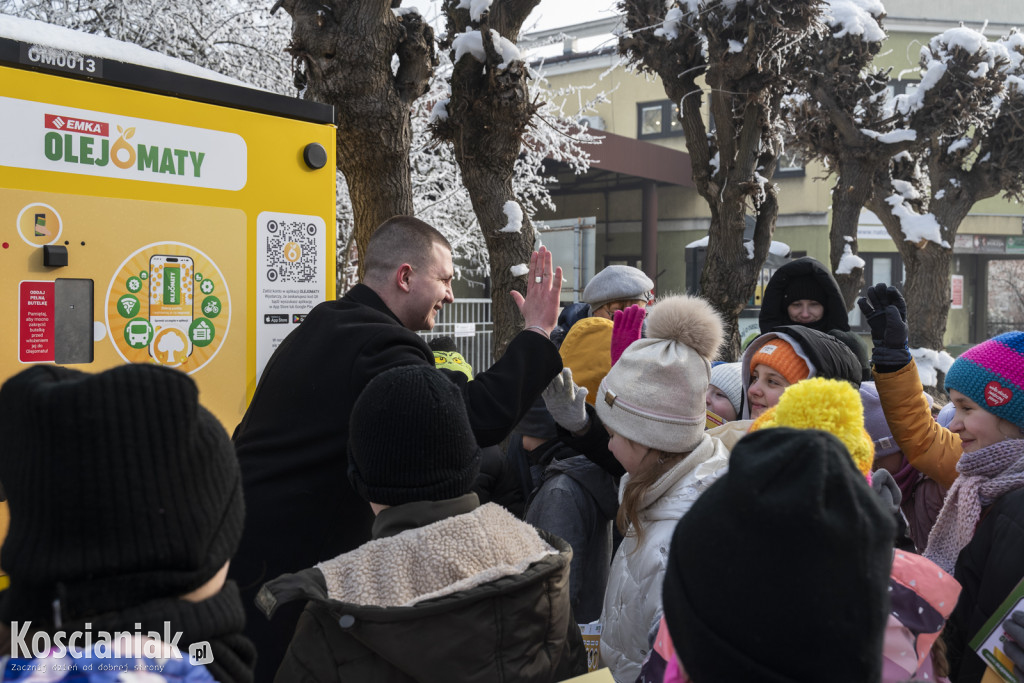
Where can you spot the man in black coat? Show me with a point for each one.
(292, 442)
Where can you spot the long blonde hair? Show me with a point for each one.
(627, 519)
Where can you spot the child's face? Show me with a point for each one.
(766, 387)
(976, 426)
(719, 404)
(630, 454)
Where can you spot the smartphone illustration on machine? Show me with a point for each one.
(40, 226)
(170, 307)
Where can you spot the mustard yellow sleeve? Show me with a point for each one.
(5, 521)
(931, 448)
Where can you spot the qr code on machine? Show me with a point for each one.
(291, 251)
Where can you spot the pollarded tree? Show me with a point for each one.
(966, 120)
(441, 198)
(747, 54)
(839, 115)
(484, 120)
(373, 60)
(371, 64)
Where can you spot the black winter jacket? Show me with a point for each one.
(988, 568)
(292, 442)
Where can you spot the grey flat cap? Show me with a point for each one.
(615, 283)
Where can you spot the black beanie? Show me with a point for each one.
(804, 287)
(780, 570)
(410, 439)
(122, 490)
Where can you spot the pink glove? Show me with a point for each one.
(626, 328)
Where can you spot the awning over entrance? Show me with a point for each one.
(641, 159)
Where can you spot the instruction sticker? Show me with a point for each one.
(36, 313)
(291, 276)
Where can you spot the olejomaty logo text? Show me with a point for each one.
(81, 141)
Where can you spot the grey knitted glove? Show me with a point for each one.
(565, 401)
(888, 490)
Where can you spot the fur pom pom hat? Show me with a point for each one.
(831, 405)
(655, 393)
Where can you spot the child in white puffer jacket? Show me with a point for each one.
(652, 404)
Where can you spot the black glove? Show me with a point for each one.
(886, 313)
(1014, 627)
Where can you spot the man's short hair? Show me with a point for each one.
(398, 240)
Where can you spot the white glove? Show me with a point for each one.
(565, 401)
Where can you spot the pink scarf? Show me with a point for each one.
(985, 476)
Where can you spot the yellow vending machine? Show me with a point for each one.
(152, 216)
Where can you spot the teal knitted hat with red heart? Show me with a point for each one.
(992, 375)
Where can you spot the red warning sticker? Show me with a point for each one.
(36, 309)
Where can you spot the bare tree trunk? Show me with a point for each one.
(927, 293)
(729, 276)
(488, 113)
(505, 250)
(343, 52)
(849, 194)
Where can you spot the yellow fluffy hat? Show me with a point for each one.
(830, 405)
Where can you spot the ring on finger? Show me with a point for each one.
(538, 279)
